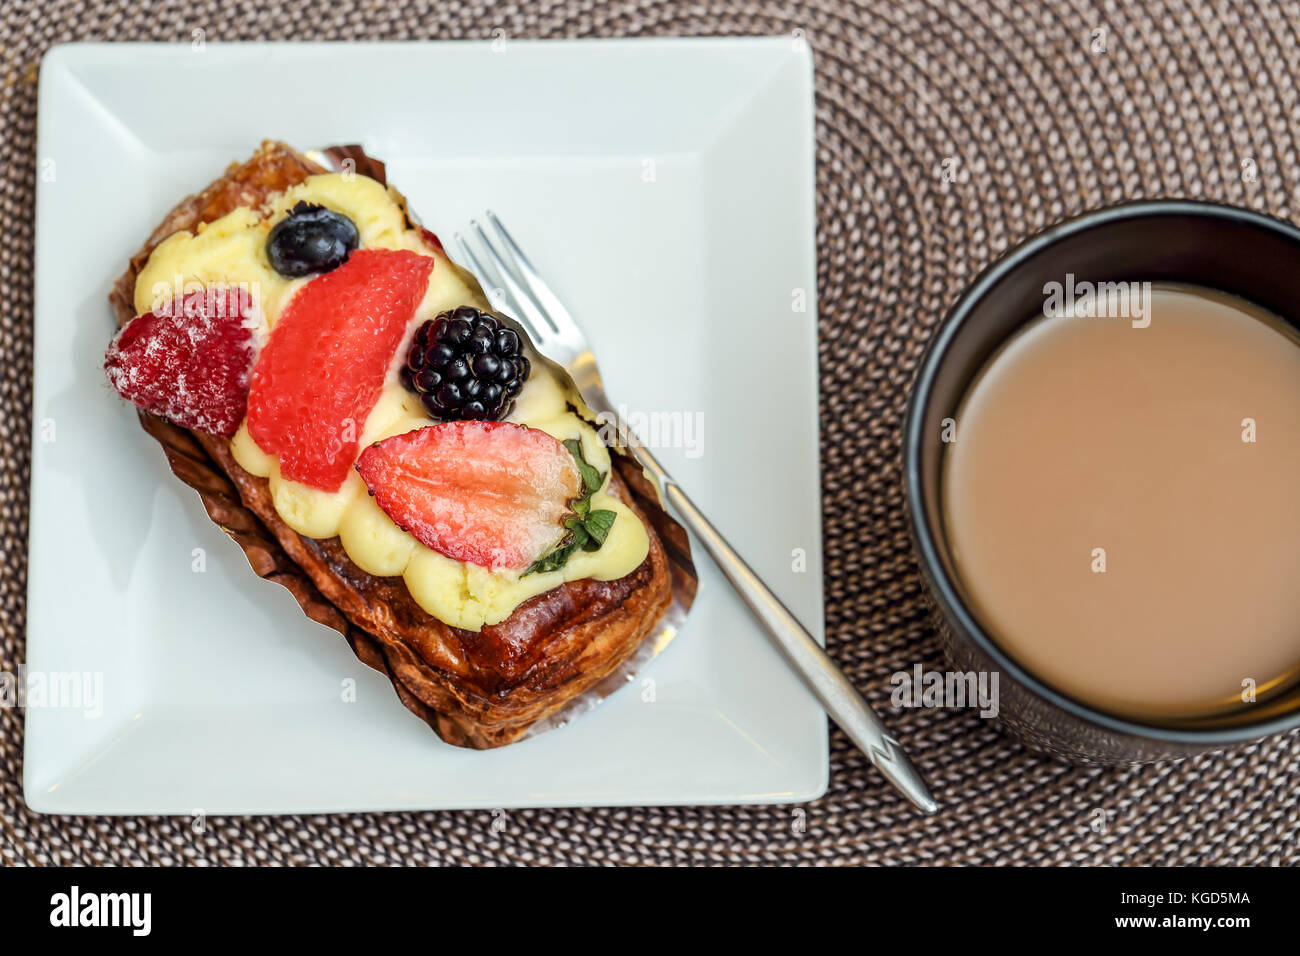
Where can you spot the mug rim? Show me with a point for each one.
(942, 588)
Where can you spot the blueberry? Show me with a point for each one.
(312, 239)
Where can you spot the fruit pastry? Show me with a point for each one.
(391, 450)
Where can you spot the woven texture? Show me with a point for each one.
(1032, 121)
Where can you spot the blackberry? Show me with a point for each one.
(466, 365)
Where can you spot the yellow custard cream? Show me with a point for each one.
(232, 250)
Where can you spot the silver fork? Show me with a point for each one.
(522, 294)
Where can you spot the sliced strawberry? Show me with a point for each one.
(324, 366)
(493, 494)
(431, 240)
(188, 363)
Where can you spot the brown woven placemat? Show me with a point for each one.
(1038, 122)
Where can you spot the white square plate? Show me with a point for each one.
(665, 188)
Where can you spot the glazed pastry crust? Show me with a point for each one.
(475, 689)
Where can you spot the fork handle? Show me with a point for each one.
(837, 694)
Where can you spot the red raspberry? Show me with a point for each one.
(190, 365)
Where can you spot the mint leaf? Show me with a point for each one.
(557, 558)
(591, 477)
(598, 524)
(577, 531)
(551, 562)
(585, 529)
